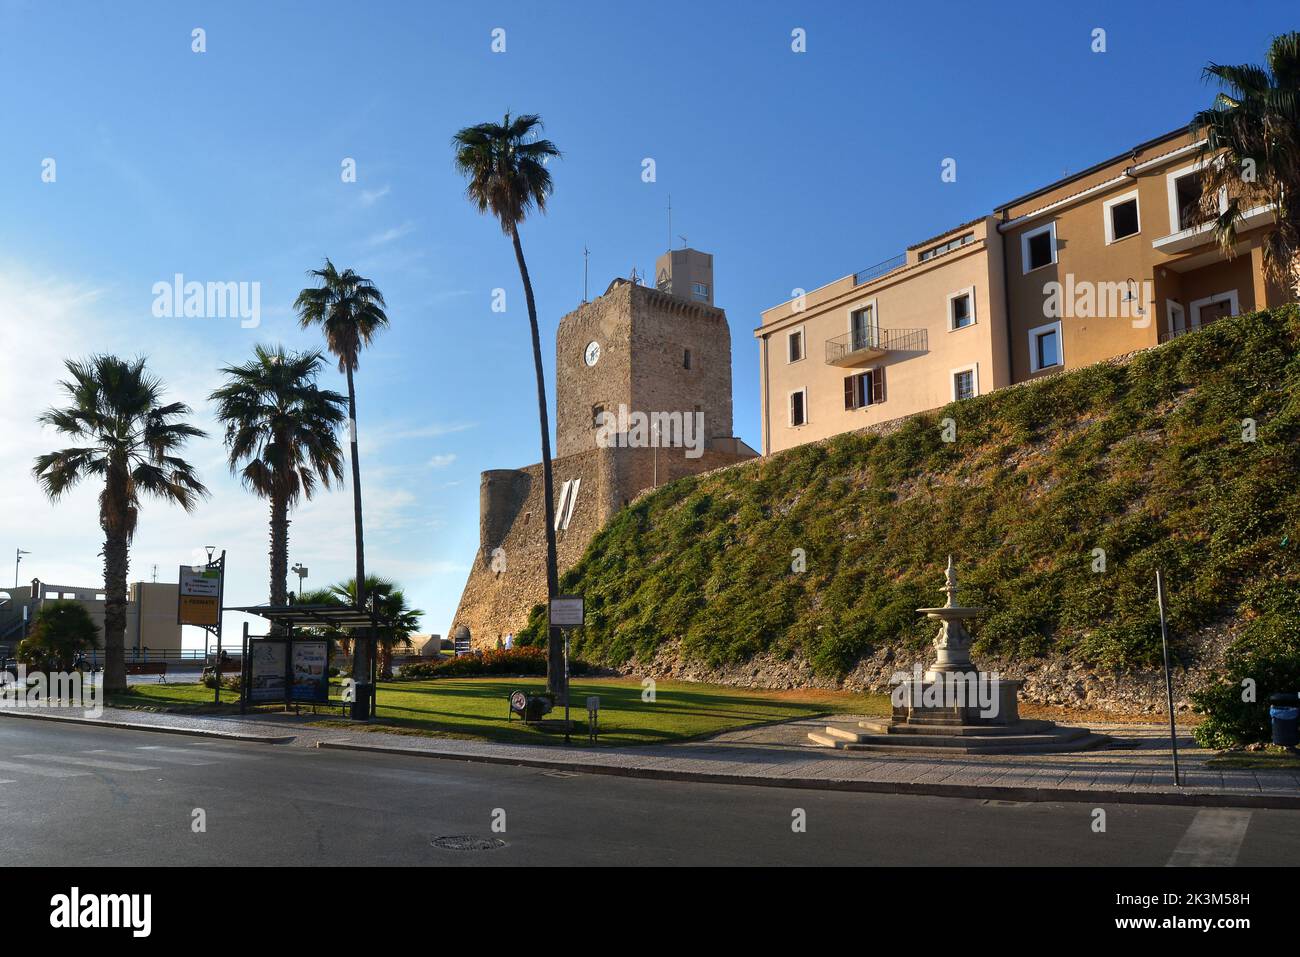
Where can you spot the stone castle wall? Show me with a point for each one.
(503, 586)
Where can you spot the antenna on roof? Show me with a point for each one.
(683, 239)
(670, 221)
(585, 253)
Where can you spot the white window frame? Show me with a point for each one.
(1171, 187)
(1029, 234)
(1194, 307)
(858, 307)
(1172, 307)
(1034, 333)
(1110, 222)
(974, 370)
(789, 406)
(803, 345)
(968, 292)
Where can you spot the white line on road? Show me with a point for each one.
(166, 758)
(151, 748)
(1212, 840)
(42, 772)
(88, 762)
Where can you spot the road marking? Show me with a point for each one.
(1212, 840)
(89, 762)
(42, 772)
(233, 755)
(166, 758)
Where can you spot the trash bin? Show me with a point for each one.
(1285, 715)
(361, 702)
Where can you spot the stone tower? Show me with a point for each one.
(635, 349)
(661, 350)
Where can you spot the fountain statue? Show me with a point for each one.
(953, 706)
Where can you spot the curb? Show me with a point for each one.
(163, 729)
(987, 792)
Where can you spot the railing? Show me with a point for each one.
(875, 339)
(879, 269)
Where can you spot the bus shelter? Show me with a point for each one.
(290, 664)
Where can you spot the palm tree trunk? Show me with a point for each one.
(279, 549)
(116, 560)
(361, 649)
(555, 639)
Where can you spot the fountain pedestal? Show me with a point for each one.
(955, 706)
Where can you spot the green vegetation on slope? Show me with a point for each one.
(1145, 460)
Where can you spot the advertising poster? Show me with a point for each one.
(266, 670)
(199, 596)
(311, 680)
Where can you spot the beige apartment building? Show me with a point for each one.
(151, 625)
(1099, 264)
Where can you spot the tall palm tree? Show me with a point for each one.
(350, 310)
(505, 166)
(1254, 125)
(389, 602)
(129, 439)
(282, 429)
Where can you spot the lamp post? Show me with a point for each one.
(300, 570)
(18, 557)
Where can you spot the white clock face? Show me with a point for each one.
(592, 355)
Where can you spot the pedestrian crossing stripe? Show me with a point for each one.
(87, 762)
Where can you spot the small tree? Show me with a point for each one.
(62, 630)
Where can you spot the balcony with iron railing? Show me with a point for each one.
(871, 343)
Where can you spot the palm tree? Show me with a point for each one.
(282, 429)
(1254, 125)
(129, 439)
(389, 603)
(350, 309)
(505, 165)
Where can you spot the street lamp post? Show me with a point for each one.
(18, 557)
(300, 570)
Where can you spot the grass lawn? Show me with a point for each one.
(190, 698)
(1275, 758)
(477, 708)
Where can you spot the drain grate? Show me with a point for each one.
(467, 842)
(560, 774)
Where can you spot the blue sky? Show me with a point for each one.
(791, 168)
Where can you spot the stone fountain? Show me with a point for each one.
(953, 706)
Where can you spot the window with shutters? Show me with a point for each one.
(799, 407)
(864, 389)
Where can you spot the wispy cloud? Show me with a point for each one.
(391, 235)
(371, 196)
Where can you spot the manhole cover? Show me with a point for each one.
(465, 842)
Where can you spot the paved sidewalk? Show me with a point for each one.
(1135, 769)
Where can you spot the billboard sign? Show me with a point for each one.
(199, 596)
(311, 676)
(266, 669)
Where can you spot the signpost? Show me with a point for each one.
(1169, 678)
(199, 597)
(566, 612)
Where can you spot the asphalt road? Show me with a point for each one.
(87, 796)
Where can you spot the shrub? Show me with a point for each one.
(529, 660)
(61, 631)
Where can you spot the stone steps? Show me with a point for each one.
(1024, 738)
(884, 726)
